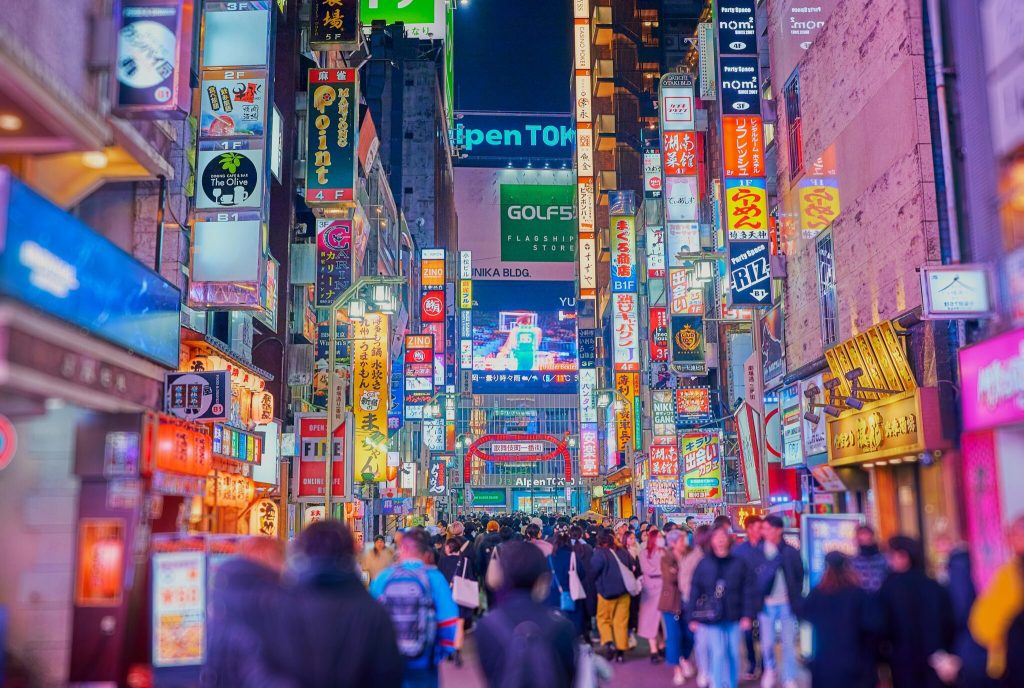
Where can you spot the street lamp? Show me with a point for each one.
(376, 293)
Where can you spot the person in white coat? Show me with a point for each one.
(649, 620)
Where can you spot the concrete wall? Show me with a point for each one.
(863, 91)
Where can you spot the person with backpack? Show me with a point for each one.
(615, 582)
(425, 617)
(722, 603)
(522, 643)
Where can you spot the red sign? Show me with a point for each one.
(679, 153)
(179, 447)
(312, 455)
(432, 307)
(658, 343)
(8, 442)
(528, 442)
(664, 460)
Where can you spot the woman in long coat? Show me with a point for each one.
(649, 619)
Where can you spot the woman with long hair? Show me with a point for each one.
(561, 561)
(612, 597)
(845, 620)
(649, 616)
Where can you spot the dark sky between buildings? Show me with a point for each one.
(513, 55)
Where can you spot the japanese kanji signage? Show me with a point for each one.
(626, 333)
(419, 374)
(692, 405)
(627, 410)
(154, 41)
(334, 25)
(743, 146)
(685, 294)
(589, 451)
(623, 263)
(746, 209)
(333, 260)
(437, 475)
(197, 396)
(679, 153)
(332, 111)
(819, 204)
(370, 381)
(702, 472)
(664, 459)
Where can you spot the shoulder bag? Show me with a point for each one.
(465, 592)
(576, 588)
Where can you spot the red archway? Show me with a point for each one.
(559, 448)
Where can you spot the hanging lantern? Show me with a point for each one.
(258, 383)
(263, 518)
(217, 363)
(237, 374)
(392, 473)
(198, 364)
(262, 407)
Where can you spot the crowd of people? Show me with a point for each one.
(555, 601)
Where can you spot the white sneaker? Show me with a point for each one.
(689, 671)
(632, 641)
(702, 680)
(678, 678)
(791, 683)
(768, 678)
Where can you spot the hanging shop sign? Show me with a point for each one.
(236, 34)
(334, 25)
(741, 85)
(692, 406)
(589, 451)
(663, 415)
(230, 175)
(679, 153)
(197, 396)
(815, 435)
(743, 145)
(663, 460)
(685, 294)
(240, 445)
(652, 174)
(992, 382)
(432, 308)
(880, 354)
(332, 110)
(311, 476)
(658, 348)
(749, 429)
(819, 204)
(749, 274)
(702, 471)
(654, 249)
(264, 518)
(623, 262)
(682, 242)
(791, 409)
(677, 106)
(370, 379)
(229, 490)
(627, 411)
(176, 447)
(953, 292)
(688, 344)
(419, 374)
(662, 492)
(824, 533)
(588, 395)
(682, 199)
(437, 477)
(333, 260)
(737, 34)
(99, 575)
(897, 426)
(746, 209)
(626, 334)
(154, 42)
(233, 103)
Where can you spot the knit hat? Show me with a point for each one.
(620, 524)
(492, 526)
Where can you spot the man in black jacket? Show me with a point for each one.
(523, 642)
(329, 632)
(781, 582)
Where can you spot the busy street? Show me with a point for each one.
(511, 343)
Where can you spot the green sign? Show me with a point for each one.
(488, 497)
(538, 223)
(391, 11)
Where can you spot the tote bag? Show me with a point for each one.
(632, 583)
(465, 592)
(576, 588)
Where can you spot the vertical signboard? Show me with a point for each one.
(179, 604)
(334, 24)
(332, 110)
(437, 476)
(419, 374)
(311, 454)
(789, 404)
(626, 352)
(627, 411)
(586, 243)
(151, 63)
(370, 380)
(688, 344)
(702, 469)
(658, 333)
(623, 263)
(333, 260)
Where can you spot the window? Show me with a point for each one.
(827, 300)
(791, 96)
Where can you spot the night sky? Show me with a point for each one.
(513, 55)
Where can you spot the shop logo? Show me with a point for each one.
(539, 212)
(432, 307)
(229, 179)
(688, 339)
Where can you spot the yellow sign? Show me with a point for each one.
(880, 354)
(819, 205)
(899, 426)
(466, 294)
(370, 380)
(628, 387)
(228, 489)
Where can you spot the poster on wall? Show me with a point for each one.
(179, 607)
(525, 338)
(824, 533)
(773, 353)
(662, 492)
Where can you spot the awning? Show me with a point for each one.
(211, 345)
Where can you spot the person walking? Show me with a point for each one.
(631, 545)
(687, 567)
(613, 599)
(918, 617)
(869, 563)
(750, 551)
(484, 548)
(456, 562)
(998, 610)
(329, 633)
(723, 602)
(561, 561)
(378, 558)
(845, 621)
(522, 643)
(678, 638)
(533, 536)
(649, 617)
(425, 617)
(781, 581)
(584, 553)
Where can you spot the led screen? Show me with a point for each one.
(524, 338)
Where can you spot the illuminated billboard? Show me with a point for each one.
(524, 339)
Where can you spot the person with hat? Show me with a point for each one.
(845, 619)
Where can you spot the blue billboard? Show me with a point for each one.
(524, 337)
(514, 139)
(54, 262)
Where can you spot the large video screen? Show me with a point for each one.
(524, 337)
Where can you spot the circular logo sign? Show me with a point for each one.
(146, 54)
(8, 442)
(688, 339)
(433, 308)
(654, 182)
(229, 179)
(418, 356)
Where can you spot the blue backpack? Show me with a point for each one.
(407, 598)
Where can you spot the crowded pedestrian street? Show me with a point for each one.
(511, 343)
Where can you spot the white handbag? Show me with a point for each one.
(465, 592)
(576, 590)
(633, 584)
